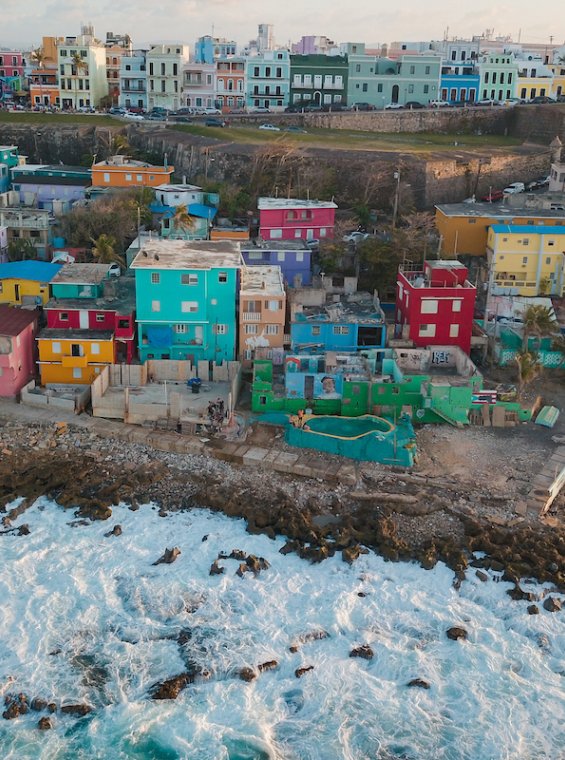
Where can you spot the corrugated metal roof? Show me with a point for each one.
(13, 320)
(39, 271)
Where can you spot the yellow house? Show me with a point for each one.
(463, 227)
(558, 86)
(74, 357)
(530, 87)
(526, 260)
(26, 283)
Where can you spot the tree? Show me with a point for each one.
(115, 215)
(104, 251)
(78, 64)
(21, 250)
(38, 57)
(183, 223)
(537, 320)
(528, 369)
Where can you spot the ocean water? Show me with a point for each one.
(85, 618)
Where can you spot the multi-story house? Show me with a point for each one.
(186, 299)
(18, 328)
(526, 260)
(230, 83)
(87, 297)
(44, 87)
(81, 63)
(199, 85)
(534, 77)
(318, 79)
(268, 80)
(314, 44)
(133, 80)
(293, 219)
(292, 256)
(164, 75)
(9, 158)
(457, 50)
(459, 81)
(262, 312)
(34, 225)
(74, 357)
(380, 81)
(499, 72)
(435, 307)
(121, 171)
(55, 188)
(26, 283)
(117, 45)
(12, 65)
(208, 49)
(201, 207)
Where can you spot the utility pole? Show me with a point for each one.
(396, 198)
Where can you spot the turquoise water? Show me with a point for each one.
(348, 427)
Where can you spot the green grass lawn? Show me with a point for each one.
(26, 117)
(345, 139)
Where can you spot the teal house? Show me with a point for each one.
(9, 158)
(186, 299)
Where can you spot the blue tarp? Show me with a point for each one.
(159, 336)
(199, 209)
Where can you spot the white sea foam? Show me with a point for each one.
(86, 618)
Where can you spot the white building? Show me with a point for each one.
(165, 64)
(199, 85)
(81, 62)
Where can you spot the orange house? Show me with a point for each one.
(43, 87)
(262, 312)
(121, 171)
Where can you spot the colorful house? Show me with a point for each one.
(3, 244)
(81, 62)
(121, 171)
(56, 194)
(186, 299)
(230, 83)
(292, 256)
(26, 282)
(268, 80)
(164, 75)
(526, 260)
(44, 87)
(74, 357)
(86, 297)
(12, 67)
(380, 81)
(262, 312)
(200, 206)
(460, 81)
(463, 227)
(435, 307)
(318, 79)
(293, 219)
(199, 85)
(499, 74)
(133, 80)
(30, 224)
(10, 156)
(18, 328)
(354, 323)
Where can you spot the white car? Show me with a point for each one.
(355, 237)
(211, 111)
(270, 127)
(393, 106)
(438, 104)
(515, 187)
(133, 116)
(114, 270)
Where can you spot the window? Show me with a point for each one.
(412, 69)
(548, 259)
(155, 278)
(316, 330)
(426, 89)
(100, 317)
(453, 331)
(358, 67)
(300, 256)
(273, 305)
(365, 87)
(456, 305)
(77, 372)
(272, 330)
(427, 331)
(276, 234)
(139, 178)
(56, 347)
(189, 279)
(281, 256)
(223, 329)
(155, 305)
(95, 348)
(427, 69)
(251, 329)
(222, 277)
(380, 87)
(64, 317)
(411, 89)
(340, 330)
(181, 329)
(189, 306)
(106, 177)
(429, 306)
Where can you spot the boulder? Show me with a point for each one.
(246, 674)
(455, 633)
(236, 554)
(519, 595)
(242, 569)
(533, 609)
(299, 672)
(44, 724)
(270, 665)
(24, 530)
(363, 651)
(419, 682)
(290, 546)
(168, 557)
(76, 710)
(351, 553)
(552, 604)
(171, 688)
(116, 531)
(16, 705)
(306, 637)
(481, 576)
(216, 569)
(38, 704)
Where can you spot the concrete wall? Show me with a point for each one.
(47, 397)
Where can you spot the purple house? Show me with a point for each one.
(292, 256)
(56, 194)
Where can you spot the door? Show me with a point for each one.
(309, 387)
(395, 91)
(17, 292)
(83, 319)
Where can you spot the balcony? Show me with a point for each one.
(132, 88)
(251, 316)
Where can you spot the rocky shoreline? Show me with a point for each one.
(420, 520)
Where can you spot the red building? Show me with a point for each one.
(18, 328)
(435, 307)
(291, 219)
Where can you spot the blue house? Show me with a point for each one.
(186, 299)
(292, 256)
(459, 81)
(267, 78)
(133, 80)
(202, 207)
(355, 323)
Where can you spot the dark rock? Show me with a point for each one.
(363, 651)
(168, 557)
(482, 562)
(24, 530)
(553, 567)
(247, 674)
(116, 531)
(299, 672)
(290, 546)
(519, 595)
(76, 710)
(481, 576)
(361, 594)
(204, 538)
(242, 569)
(419, 682)
(237, 554)
(456, 633)
(350, 554)
(533, 609)
(216, 569)
(306, 637)
(552, 604)
(270, 665)
(38, 704)
(184, 637)
(52, 707)
(16, 705)
(171, 688)
(497, 566)
(44, 724)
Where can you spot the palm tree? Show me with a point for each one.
(38, 57)
(78, 63)
(538, 320)
(183, 223)
(104, 250)
(528, 369)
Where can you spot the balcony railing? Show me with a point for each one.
(131, 88)
(251, 316)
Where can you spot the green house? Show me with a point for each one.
(318, 79)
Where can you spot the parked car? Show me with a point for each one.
(184, 111)
(412, 104)
(362, 107)
(132, 116)
(211, 112)
(335, 107)
(155, 117)
(487, 102)
(438, 104)
(114, 270)
(542, 99)
(313, 244)
(269, 127)
(493, 196)
(312, 108)
(117, 111)
(215, 123)
(514, 188)
(355, 237)
(259, 109)
(297, 130)
(393, 106)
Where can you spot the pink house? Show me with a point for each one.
(18, 328)
(292, 219)
(11, 63)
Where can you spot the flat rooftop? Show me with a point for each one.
(262, 280)
(81, 274)
(119, 298)
(187, 254)
(274, 245)
(530, 229)
(56, 333)
(497, 211)
(292, 203)
(178, 188)
(359, 307)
